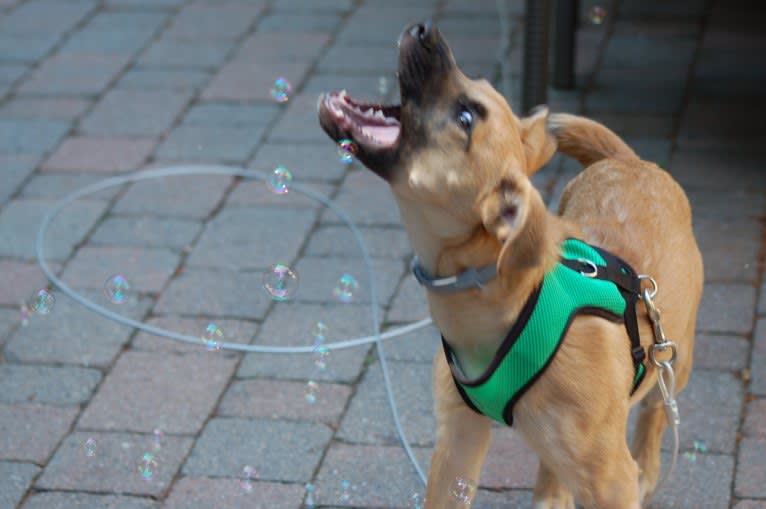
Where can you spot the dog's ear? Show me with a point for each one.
(539, 144)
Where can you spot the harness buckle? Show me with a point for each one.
(587, 264)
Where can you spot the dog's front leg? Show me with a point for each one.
(462, 441)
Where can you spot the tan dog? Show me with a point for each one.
(458, 161)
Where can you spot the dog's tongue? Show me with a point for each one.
(382, 134)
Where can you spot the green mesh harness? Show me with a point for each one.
(587, 280)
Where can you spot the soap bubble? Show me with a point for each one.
(147, 466)
(117, 289)
(699, 446)
(212, 337)
(157, 436)
(248, 475)
(281, 90)
(345, 495)
(382, 85)
(43, 301)
(597, 14)
(311, 392)
(347, 149)
(462, 490)
(310, 489)
(690, 456)
(24, 313)
(415, 501)
(320, 330)
(345, 288)
(90, 447)
(279, 180)
(280, 282)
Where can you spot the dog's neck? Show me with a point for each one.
(475, 322)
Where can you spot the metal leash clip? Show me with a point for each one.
(666, 378)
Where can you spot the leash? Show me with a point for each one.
(666, 378)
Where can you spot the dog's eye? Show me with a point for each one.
(465, 119)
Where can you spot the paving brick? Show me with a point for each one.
(210, 143)
(15, 479)
(26, 48)
(9, 319)
(720, 352)
(287, 22)
(188, 54)
(750, 478)
(74, 74)
(367, 200)
(54, 186)
(252, 238)
(99, 155)
(362, 87)
(284, 400)
(152, 113)
(154, 4)
(30, 432)
(389, 23)
(461, 25)
(160, 79)
(215, 294)
(127, 20)
(135, 394)
(72, 334)
(418, 346)
(381, 60)
(510, 462)
(710, 389)
(758, 359)
(204, 492)
(629, 124)
(19, 281)
(368, 419)
(734, 204)
(750, 504)
(54, 500)
(290, 324)
(31, 136)
(340, 241)
(209, 21)
(116, 41)
(256, 193)
(169, 196)
(279, 450)
(726, 308)
(648, 52)
(410, 303)
(230, 114)
(309, 161)
(299, 124)
(629, 91)
(278, 47)
(235, 331)
(46, 16)
(15, 169)
(317, 5)
(63, 108)
(519, 499)
(113, 469)
(720, 125)
(145, 231)
(20, 220)
(46, 384)
(755, 419)
(721, 171)
(247, 81)
(391, 486)
(731, 248)
(147, 269)
(319, 277)
(707, 483)
(9, 73)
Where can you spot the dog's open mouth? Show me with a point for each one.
(374, 128)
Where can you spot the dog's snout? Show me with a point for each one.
(422, 32)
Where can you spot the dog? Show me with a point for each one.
(458, 162)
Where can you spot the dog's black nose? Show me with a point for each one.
(423, 32)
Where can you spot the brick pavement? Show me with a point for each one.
(90, 88)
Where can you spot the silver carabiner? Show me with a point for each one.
(661, 347)
(644, 277)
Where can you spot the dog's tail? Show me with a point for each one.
(587, 140)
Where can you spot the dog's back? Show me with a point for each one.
(636, 210)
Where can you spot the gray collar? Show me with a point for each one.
(466, 280)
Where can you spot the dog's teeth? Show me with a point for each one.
(379, 114)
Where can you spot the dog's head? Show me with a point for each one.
(453, 149)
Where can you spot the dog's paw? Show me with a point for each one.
(562, 502)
